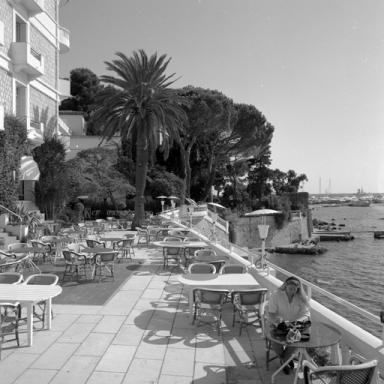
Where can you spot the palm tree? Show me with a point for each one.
(138, 103)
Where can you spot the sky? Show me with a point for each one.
(314, 68)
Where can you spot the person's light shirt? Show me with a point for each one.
(280, 306)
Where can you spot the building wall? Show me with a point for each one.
(51, 8)
(6, 18)
(42, 45)
(6, 90)
(43, 109)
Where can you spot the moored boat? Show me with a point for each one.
(378, 234)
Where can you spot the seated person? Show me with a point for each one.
(288, 303)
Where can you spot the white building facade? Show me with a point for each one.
(31, 41)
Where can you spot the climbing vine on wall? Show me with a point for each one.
(13, 145)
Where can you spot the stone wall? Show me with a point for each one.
(6, 18)
(43, 46)
(244, 231)
(43, 109)
(6, 90)
(50, 7)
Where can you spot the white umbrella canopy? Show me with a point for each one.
(263, 212)
(161, 197)
(172, 197)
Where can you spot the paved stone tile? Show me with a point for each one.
(151, 350)
(55, 356)
(117, 358)
(213, 354)
(63, 320)
(168, 379)
(76, 370)
(109, 324)
(139, 317)
(41, 341)
(145, 304)
(14, 365)
(105, 378)
(179, 362)
(143, 371)
(95, 344)
(182, 338)
(209, 373)
(36, 376)
(76, 309)
(154, 294)
(128, 335)
(76, 333)
(94, 319)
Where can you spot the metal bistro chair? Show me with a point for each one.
(42, 251)
(142, 233)
(124, 248)
(41, 279)
(208, 305)
(248, 307)
(218, 264)
(364, 373)
(9, 312)
(171, 253)
(75, 265)
(105, 265)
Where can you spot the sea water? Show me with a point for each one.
(352, 270)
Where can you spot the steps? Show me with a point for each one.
(6, 238)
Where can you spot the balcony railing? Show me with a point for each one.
(26, 59)
(32, 6)
(355, 340)
(64, 40)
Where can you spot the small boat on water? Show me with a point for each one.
(300, 248)
(378, 234)
(359, 203)
(332, 234)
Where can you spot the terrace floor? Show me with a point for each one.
(143, 334)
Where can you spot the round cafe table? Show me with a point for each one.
(321, 335)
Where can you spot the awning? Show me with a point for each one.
(29, 169)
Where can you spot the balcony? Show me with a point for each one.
(26, 59)
(35, 133)
(32, 6)
(64, 40)
(64, 88)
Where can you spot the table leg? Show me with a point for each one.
(29, 324)
(299, 367)
(282, 367)
(190, 300)
(48, 313)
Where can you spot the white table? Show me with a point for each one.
(231, 282)
(28, 295)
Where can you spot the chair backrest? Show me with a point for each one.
(201, 268)
(94, 243)
(17, 246)
(11, 278)
(5, 255)
(40, 244)
(218, 264)
(105, 257)
(232, 268)
(42, 279)
(210, 296)
(202, 254)
(250, 297)
(351, 374)
(173, 239)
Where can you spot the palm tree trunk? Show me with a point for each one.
(140, 178)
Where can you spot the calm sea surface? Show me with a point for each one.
(353, 270)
